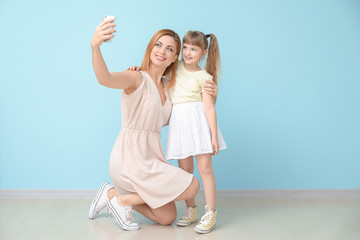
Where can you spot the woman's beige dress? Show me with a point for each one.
(137, 162)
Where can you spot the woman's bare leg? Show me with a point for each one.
(134, 199)
(190, 192)
(164, 215)
(130, 199)
(112, 193)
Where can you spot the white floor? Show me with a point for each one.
(237, 219)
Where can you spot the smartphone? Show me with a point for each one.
(109, 17)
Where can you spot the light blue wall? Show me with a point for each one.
(288, 104)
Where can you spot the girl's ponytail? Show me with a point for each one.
(213, 58)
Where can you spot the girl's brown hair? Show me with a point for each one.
(170, 71)
(199, 39)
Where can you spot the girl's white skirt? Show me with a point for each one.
(189, 132)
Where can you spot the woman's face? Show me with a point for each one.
(164, 52)
(192, 54)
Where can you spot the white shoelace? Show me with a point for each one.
(128, 215)
(99, 207)
(206, 219)
(188, 213)
(107, 211)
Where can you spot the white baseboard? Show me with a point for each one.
(47, 193)
(221, 194)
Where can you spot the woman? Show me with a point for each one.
(143, 179)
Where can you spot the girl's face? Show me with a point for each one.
(164, 52)
(192, 54)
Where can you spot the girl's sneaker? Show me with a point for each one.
(207, 222)
(122, 215)
(100, 200)
(191, 216)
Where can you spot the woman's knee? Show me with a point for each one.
(195, 185)
(167, 220)
(166, 214)
(167, 217)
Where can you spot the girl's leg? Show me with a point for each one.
(207, 176)
(187, 164)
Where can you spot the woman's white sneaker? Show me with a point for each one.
(100, 200)
(122, 215)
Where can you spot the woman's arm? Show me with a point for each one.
(210, 87)
(120, 80)
(210, 112)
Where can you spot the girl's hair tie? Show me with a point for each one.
(207, 35)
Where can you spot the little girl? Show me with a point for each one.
(193, 129)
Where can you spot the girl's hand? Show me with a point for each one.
(103, 32)
(134, 68)
(215, 145)
(210, 88)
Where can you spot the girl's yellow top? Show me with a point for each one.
(188, 85)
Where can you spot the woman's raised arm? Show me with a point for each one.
(120, 80)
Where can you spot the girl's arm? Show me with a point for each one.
(121, 80)
(210, 112)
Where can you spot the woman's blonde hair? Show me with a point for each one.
(197, 38)
(170, 71)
